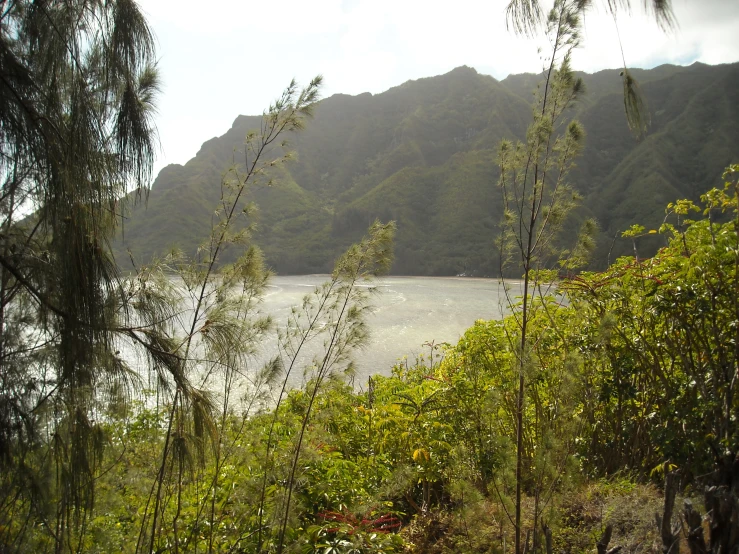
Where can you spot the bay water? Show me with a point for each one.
(409, 314)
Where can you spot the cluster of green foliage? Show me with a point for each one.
(627, 368)
(667, 345)
(76, 106)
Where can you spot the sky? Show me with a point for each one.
(223, 58)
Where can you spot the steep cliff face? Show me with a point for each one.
(424, 154)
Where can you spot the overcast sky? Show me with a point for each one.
(223, 58)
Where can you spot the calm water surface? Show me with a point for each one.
(409, 311)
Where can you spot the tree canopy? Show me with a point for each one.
(77, 90)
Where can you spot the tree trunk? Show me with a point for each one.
(723, 506)
(694, 521)
(670, 537)
(605, 539)
(547, 538)
(527, 545)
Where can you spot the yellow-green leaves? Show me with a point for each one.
(634, 231)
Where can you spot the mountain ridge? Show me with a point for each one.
(424, 153)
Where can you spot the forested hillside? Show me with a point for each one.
(425, 155)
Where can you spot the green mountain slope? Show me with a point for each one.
(424, 154)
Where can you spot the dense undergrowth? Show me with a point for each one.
(635, 369)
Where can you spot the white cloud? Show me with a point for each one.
(217, 17)
(231, 57)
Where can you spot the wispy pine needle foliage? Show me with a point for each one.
(537, 199)
(212, 339)
(336, 311)
(525, 17)
(635, 106)
(77, 92)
